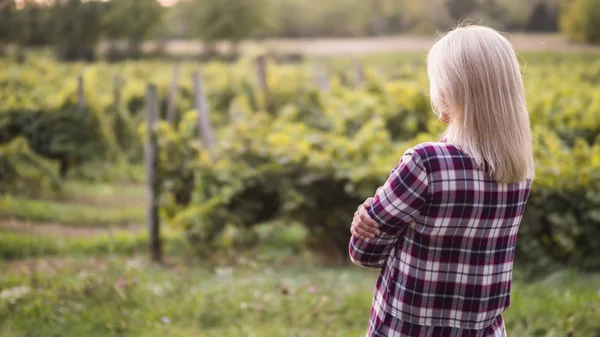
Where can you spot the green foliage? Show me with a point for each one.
(544, 16)
(44, 110)
(563, 212)
(460, 9)
(580, 20)
(8, 10)
(66, 135)
(24, 171)
(256, 297)
(329, 18)
(306, 156)
(77, 28)
(229, 20)
(118, 24)
(32, 25)
(117, 21)
(316, 157)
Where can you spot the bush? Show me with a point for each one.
(580, 20)
(269, 169)
(315, 159)
(23, 171)
(65, 135)
(562, 220)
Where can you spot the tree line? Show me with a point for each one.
(74, 27)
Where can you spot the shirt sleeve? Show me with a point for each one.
(396, 205)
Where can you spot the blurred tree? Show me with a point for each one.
(32, 24)
(543, 16)
(7, 23)
(580, 20)
(173, 23)
(384, 14)
(460, 9)
(77, 28)
(417, 17)
(493, 9)
(516, 15)
(133, 20)
(227, 20)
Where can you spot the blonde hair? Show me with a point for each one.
(476, 81)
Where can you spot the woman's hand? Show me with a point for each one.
(363, 227)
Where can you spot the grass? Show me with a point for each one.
(26, 245)
(104, 193)
(68, 213)
(127, 297)
(98, 285)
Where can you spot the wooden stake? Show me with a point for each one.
(360, 74)
(261, 67)
(117, 92)
(151, 156)
(321, 80)
(201, 105)
(172, 99)
(80, 94)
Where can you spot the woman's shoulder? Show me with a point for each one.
(428, 150)
(439, 156)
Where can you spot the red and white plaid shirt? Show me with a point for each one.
(446, 248)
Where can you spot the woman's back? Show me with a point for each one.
(446, 248)
(461, 248)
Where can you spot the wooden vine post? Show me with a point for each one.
(201, 105)
(153, 184)
(172, 99)
(360, 74)
(261, 67)
(321, 80)
(117, 92)
(80, 94)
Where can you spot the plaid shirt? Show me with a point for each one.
(446, 248)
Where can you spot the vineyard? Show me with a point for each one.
(322, 137)
(293, 156)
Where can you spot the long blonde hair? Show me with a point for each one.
(476, 82)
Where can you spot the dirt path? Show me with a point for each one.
(56, 229)
(384, 44)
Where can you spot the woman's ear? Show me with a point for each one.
(444, 117)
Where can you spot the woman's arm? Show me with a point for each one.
(395, 205)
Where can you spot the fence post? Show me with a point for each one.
(172, 99)
(321, 80)
(151, 156)
(117, 92)
(80, 94)
(203, 114)
(261, 67)
(360, 74)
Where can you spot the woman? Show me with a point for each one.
(443, 227)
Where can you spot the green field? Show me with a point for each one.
(101, 283)
(127, 297)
